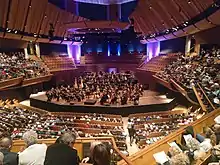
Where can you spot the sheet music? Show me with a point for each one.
(160, 157)
(173, 144)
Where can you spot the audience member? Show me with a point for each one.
(101, 155)
(34, 154)
(1, 158)
(62, 152)
(10, 158)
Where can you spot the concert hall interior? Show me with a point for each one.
(109, 82)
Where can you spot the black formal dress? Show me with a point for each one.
(10, 158)
(61, 154)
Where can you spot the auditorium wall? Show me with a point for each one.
(10, 45)
(48, 48)
(112, 47)
(173, 46)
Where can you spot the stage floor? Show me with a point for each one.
(150, 101)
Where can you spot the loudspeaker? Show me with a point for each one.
(90, 102)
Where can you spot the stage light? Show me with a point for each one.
(16, 31)
(119, 50)
(65, 38)
(109, 49)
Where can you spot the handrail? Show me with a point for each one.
(207, 98)
(81, 140)
(183, 92)
(152, 148)
(199, 99)
(165, 83)
(10, 82)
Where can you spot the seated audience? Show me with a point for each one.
(62, 152)
(34, 153)
(203, 69)
(10, 158)
(13, 65)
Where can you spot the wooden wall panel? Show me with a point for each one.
(215, 18)
(13, 14)
(161, 38)
(50, 16)
(179, 33)
(21, 14)
(152, 16)
(191, 29)
(38, 16)
(204, 24)
(27, 38)
(3, 12)
(12, 36)
(169, 36)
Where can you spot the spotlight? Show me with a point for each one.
(189, 2)
(16, 31)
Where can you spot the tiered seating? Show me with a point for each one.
(58, 63)
(158, 63)
(14, 65)
(152, 127)
(15, 121)
(203, 69)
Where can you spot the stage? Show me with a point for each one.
(148, 103)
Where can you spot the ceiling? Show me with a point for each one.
(105, 2)
(32, 18)
(155, 16)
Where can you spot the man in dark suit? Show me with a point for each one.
(10, 158)
(62, 152)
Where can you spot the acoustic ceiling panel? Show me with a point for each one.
(169, 36)
(179, 33)
(160, 38)
(12, 36)
(215, 18)
(204, 24)
(191, 29)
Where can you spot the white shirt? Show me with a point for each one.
(33, 155)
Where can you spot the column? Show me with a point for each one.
(153, 50)
(74, 51)
(114, 12)
(197, 48)
(37, 47)
(188, 45)
(26, 53)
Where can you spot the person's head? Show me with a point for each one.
(68, 138)
(6, 143)
(93, 144)
(174, 151)
(180, 159)
(101, 155)
(1, 158)
(30, 138)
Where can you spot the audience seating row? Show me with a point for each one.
(58, 62)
